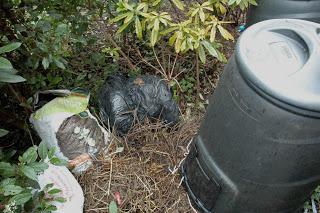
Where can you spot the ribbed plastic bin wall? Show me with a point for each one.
(258, 148)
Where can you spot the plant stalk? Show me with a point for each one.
(121, 52)
(198, 75)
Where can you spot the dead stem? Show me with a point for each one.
(145, 61)
(121, 52)
(163, 70)
(174, 64)
(198, 75)
(110, 176)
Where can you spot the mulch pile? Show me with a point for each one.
(141, 171)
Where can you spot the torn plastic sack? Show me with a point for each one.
(71, 191)
(122, 100)
(63, 121)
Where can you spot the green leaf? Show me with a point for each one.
(113, 208)
(55, 160)
(21, 199)
(253, 2)
(154, 36)
(156, 2)
(3, 132)
(123, 27)
(42, 46)
(202, 15)
(30, 155)
(5, 64)
(7, 170)
(141, 6)
(10, 47)
(35, 64)
(184, 45)
(206, 4)
(225, 34)
(167, 31)
(212, 51)
(48, 186)
(45, 63)
(119, 17)
(59, 63)
(202, 54)
(177, 45)
(56, 80)
(222, 57)
(173, 38)
(51, 208)
(60, 199)
(61, 29)
(54, 191)
(138, 28)
(39, 166)
(209, 8)
(231, 2)
(11, 71)
(178, 4)
(8, 181)
(190, 44)
(129, 17)
(43, 150)
(194, 12)
(10, 78)
(127, 6)
(51, 152)
(12, 190)
(145, 15)
(58, 162)
(163, 21)
(29, 172)
(156, 25)
(213, 33)
(44, 25)
(223, 10)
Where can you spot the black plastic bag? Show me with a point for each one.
(122, 100)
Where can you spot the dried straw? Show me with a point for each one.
(145, 174)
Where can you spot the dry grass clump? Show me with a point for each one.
(145, 173)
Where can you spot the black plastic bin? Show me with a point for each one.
(258, 148)
(274, 9)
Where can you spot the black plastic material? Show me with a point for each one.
(123, 100)
(264, 154)
(274, 9)
(203, 189)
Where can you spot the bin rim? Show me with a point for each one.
(296, 83)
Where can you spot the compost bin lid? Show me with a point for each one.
(281, 57)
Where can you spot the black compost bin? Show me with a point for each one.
(274, 9)
(258, 148)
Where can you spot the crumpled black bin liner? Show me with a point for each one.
(122, 100)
